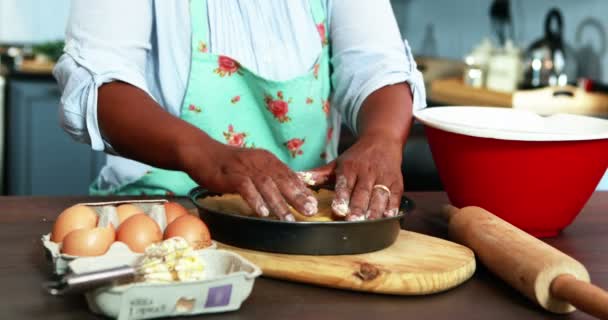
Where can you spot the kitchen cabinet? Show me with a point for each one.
(41, 158)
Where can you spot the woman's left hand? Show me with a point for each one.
(369, 182)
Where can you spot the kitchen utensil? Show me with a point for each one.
(535, 172)
(315, 238)
(545, 275)
(415, 264)
(79, 283)
(500, 14)
(549, 61)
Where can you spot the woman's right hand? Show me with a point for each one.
(129, 119)
(265, 182)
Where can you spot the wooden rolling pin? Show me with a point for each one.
(544, 274)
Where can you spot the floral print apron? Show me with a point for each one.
(240, 108)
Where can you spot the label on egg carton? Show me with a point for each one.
(107, 213)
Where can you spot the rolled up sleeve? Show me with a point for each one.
(368, 54)
(105, 41)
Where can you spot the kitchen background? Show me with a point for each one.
(38, 158)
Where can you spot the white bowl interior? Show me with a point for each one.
(513, 124)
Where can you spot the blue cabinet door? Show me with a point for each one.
(41, 158)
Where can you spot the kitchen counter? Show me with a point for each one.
(550, 100)
(24, 219)
(452, 91)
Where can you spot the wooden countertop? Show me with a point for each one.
(452, 91)
(22, 270)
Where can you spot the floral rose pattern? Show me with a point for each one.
(295, 146)
(278, 107)
(202, 47)
(309, 100)
(236, 139)
(326, 107)
(323, 155)
(194, 108)
(322, 33)
(315, 71)
(235, 99)
(227, 66)
(330, 132)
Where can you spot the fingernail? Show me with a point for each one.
(390, 213)
(310, 209)
(355, 218)
(340, 207)
(263, 211)
(290, 218)
(367, 214)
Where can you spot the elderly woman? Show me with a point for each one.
(237, 96)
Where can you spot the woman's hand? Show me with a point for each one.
(369, 182)
(361, 174)
(265, 182)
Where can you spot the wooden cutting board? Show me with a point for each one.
(415, 264)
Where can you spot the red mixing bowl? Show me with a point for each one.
(535, 172)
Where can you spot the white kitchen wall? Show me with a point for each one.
(450, 28)
(32, 21)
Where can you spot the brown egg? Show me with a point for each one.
(174, 210)
(88, 242)
(125, 211)
(138, 232)
(72, 218)
(192, 229)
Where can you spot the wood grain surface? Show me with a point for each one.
(415, 264)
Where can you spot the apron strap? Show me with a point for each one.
(318, 12)
(200, 23)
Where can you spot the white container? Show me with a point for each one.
(505, 69)
(107, 214)
(229, 281)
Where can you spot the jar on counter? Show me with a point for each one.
(475, 73)
(505, 69)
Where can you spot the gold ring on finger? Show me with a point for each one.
(382, 187)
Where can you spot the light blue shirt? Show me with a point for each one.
(147, 43)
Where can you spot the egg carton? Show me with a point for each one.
(229, 279)
(107, 215)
